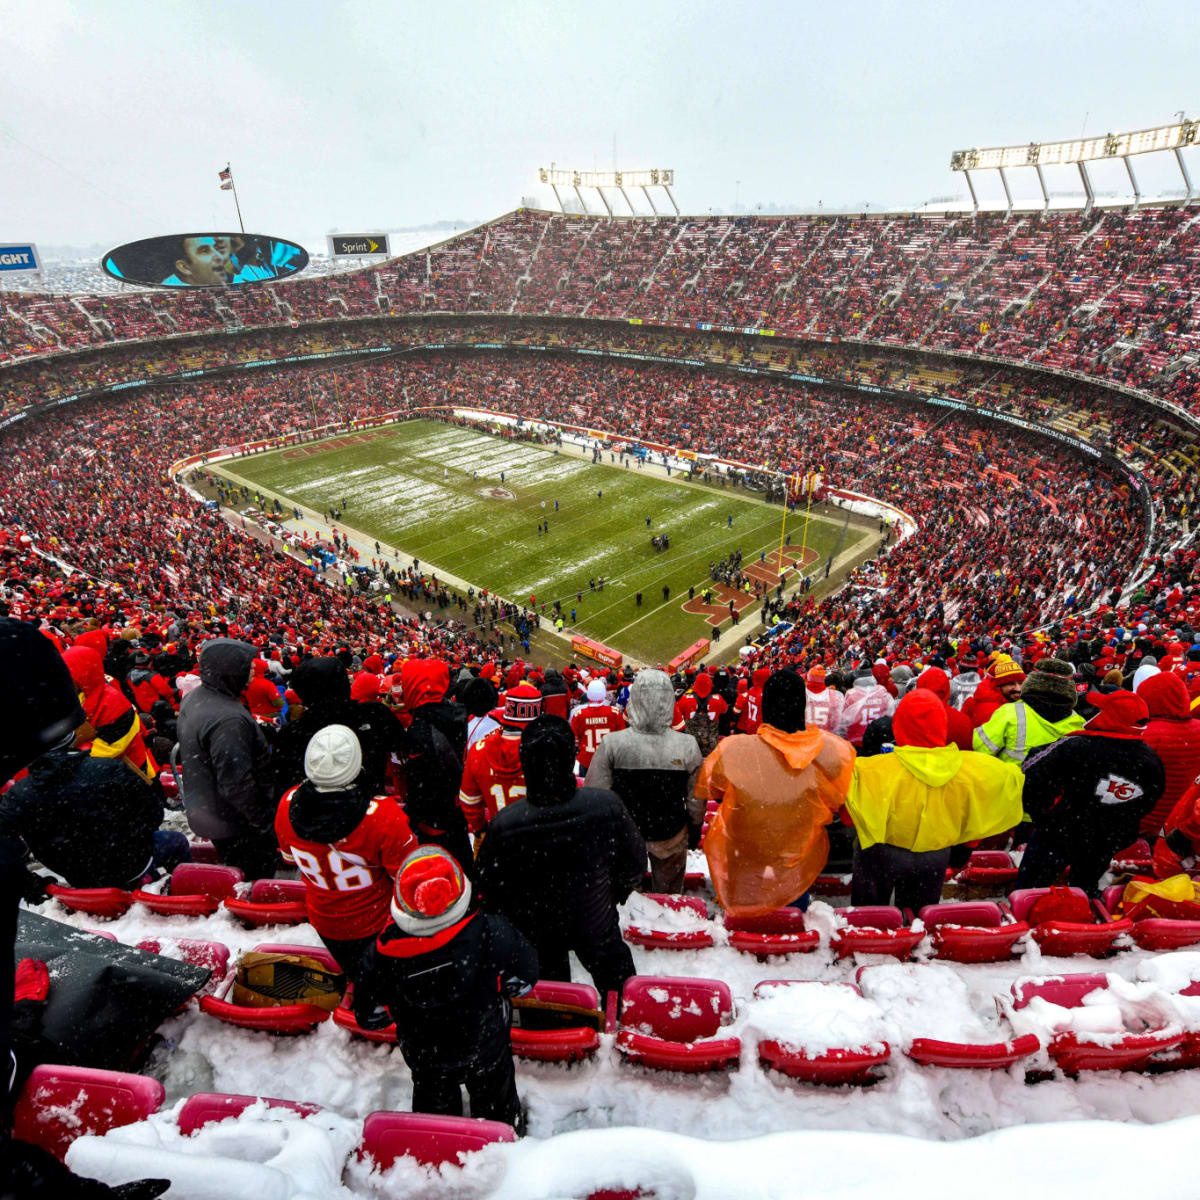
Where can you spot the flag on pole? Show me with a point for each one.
(226, 177)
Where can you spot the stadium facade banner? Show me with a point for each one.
(355, 245)
(205, 260)
(19, 258)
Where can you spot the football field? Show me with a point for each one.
(469, 504)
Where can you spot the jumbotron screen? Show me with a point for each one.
(188, 260)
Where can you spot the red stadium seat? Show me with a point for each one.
(972, 931)
(205, 1108)
(108, 903)
(271, 902)
(572, 1043)
(213, 956)
(343, 1016)
(875, 929)
(430, 1140)
(672, 939)
(282, 1018)
(196, 889)
(990, 867)
(1154, 933)
(992, 1056)
(780, 932)
(670, 1023)
(1065, 938)
(60, 1104)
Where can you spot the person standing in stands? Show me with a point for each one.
(1173, 733)
(492, 777)
(445, 971)
(225, 760)
(912, 806)
(112, 728)
(1043, 713)
(593, 721)
(1001, 684)
(558, 862)
(653, 769)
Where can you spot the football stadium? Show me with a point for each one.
(603, 700)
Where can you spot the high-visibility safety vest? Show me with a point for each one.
(1016, 729)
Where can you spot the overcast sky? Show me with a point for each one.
(115, 115)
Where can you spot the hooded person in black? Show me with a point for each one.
(445, 971)
(323, 686)
(224, 758)
(558, 863)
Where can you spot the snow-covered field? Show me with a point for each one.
(607, 1122)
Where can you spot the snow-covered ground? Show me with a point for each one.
(628, 1124)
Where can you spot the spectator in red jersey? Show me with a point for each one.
(1174, 734)
(492, 776)
(261, 696)
(147, 685)
(593, 721)
(824, 706)
(699, 712)
(346, 844)
(1001, 685)
(748, 707)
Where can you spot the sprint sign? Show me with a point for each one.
(17, 258)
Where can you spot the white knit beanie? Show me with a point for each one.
(596, 691)
(333, 758)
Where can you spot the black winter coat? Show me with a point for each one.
(449, 994)
(557, 871)
(87, 819)
(436, 743)
(224, 756)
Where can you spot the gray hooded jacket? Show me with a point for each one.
(650, 766)
(223, 752)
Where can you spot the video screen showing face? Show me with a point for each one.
(189, 260)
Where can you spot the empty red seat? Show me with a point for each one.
(971, 931)
(283, 1018)
(108, 903)
(994, 867)
(780, 932)
(840, 1065)
(671, 1023)
(213, 956)
(571, 1043)
(205, 852)
(1153, 932)
(1136, 859)
(204, 1108)
(271, 902)
(196, 889)
(59, 1104)
(430, 1140)
(1065, 938)
(875, 929)
(831, 885)
(673, 939)
(991, 1056)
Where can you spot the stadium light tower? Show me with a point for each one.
(1080, 151)
(599, 180)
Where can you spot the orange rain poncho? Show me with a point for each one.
(778, 791)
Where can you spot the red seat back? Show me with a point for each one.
(213, 956)
(992, 859)
(1022, 901)
(278, 891)
(676, 1009)
(206, 1107)
(204, 879)
(60, 1104)
(552, 991)
(431, 1140)
(1067, 991)
(873, 916)
(679, 903)
(782, 920)
(983, 914)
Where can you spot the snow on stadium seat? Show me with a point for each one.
(195, 890)
(430, 1140)
(1063, 938)
(680, 922)
(780, 932)
(972, 931)
(1093, 1049)
(874, 929)
(1135, 859)
(282, 1018)
(271, 902)
(108, 903)
(671, 1023)
(212, 956)
(566, 1037)
(59, 1104)
(205, 1108)
(813, 1002)
(992, 868)
(1151, 932)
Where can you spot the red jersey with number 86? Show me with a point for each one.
(349, 882)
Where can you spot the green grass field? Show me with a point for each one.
(423, 487)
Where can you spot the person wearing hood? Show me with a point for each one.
(323, 685)
(1173, 733)
(1088, 793)
(346, 843)
(777, 790)
(964, 685)
(111, 728)
(912, 806)
(879, 737)
(435, 746)
(480, 698)
(1147, 669)
(147, 685)
(492, 776)
(1044, 713)
(825, 704)
(653, 768)
(445, 971)
(1001, 685)
(558, 862)
(225, 759)
(556, 697)
(1178, 847)
(699, 712)
(866, 700)
(593, 721)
